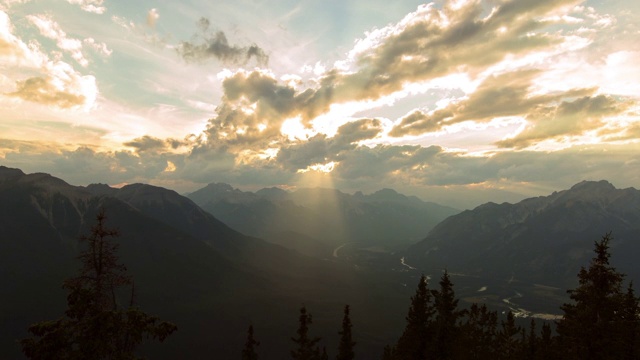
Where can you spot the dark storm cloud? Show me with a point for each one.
(215, 45)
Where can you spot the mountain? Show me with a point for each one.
(315, 221)
(541, 240)
(188, 267)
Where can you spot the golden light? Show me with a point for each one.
(171, 167)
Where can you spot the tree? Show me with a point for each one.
(345, 348)
(446, 328)
(413, 343)
(388, 353)
(508, 344)
(324, 355)
(479, 333)
(630, 328)
(591, 325)
(306, 347)
(95, 326)
(531, 347)
(249, 352)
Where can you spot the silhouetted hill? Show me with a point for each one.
(544, 239)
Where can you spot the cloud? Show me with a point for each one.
(431, 43)
(214, 45)
(152, 17)
(508, 94)
(321, 149)
(152, 144)
(569, 118)
(427, 44)
(52, 30)
(61, 87)
(13, 50)
(92, 6)
(44, 91)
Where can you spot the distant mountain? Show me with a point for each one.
(315, 221)
(544, 239)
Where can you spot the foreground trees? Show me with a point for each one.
(95, 325)
(345, 348)
(602, 322)
(306, 346)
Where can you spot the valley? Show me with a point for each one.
(213, 281)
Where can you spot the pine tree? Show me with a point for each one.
(345, 348)
(479, 333)
(413, 344)
(446, 327)
(532, 341)
(306, 347)
(388, 353)
(324, 355)
(249, 351)
(95, 326)
(630, 327)
(508, 344)
(589, 328)
(547, 348)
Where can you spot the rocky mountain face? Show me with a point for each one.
(315, 221)
(544, 239)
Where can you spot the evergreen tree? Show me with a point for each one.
(413, 344)
(446, 327)
(590, 327)
(388, 353)
(345, 348)
(325, 355)
(630, 328)
(532, 341)
(95, 326)
(546, 349)
(249, 351)
(306, 347)
(507, 341)
(479, 333)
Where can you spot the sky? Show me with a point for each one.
(457, 102)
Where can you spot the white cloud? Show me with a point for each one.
(92, 6)
(13, 50)
(99, 47)
(50, 29)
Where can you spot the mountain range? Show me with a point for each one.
(314, 221)
(188, 267)
(543, 240)
(200, 262)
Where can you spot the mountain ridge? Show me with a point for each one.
(513, 237)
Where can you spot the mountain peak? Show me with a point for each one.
(587, 185)
(7, 173)
(101, 189)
